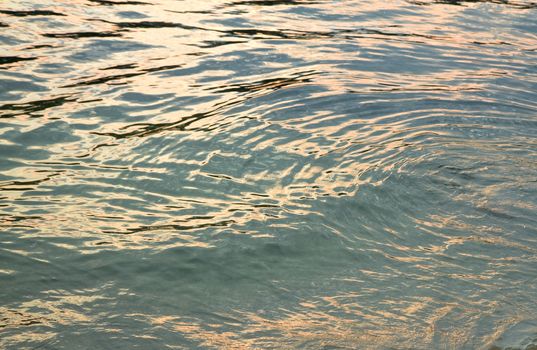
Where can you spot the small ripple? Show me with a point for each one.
(118, 2)
(109, 78)
(16, 109)
(13, 59)
(268, 174)
(78, 35)
(31, 13)
(515, 4)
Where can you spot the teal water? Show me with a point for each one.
(228, 174)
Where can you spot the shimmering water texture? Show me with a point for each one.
(227, 174)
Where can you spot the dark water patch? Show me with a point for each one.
(273, 3)
(31, 13)
(267, 84)
(121, 66)
(13, 59)
(143, 130)
(193, 12)
(115, 77)
(12, 185)
(215, 43)
(78, 35)
(41, 46)
(15, 109)
(151, 24)
(173, 227)
(118, 2)
(288, 34)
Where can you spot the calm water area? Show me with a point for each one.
(279, 174)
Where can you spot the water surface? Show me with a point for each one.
(228, 174)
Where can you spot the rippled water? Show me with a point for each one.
(227, 174)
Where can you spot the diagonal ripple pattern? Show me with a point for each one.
(244, 174)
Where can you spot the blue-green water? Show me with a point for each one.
(227, 174)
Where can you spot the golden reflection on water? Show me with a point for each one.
(379, 148)
(316, 328)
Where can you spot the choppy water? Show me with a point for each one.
(233, 174)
